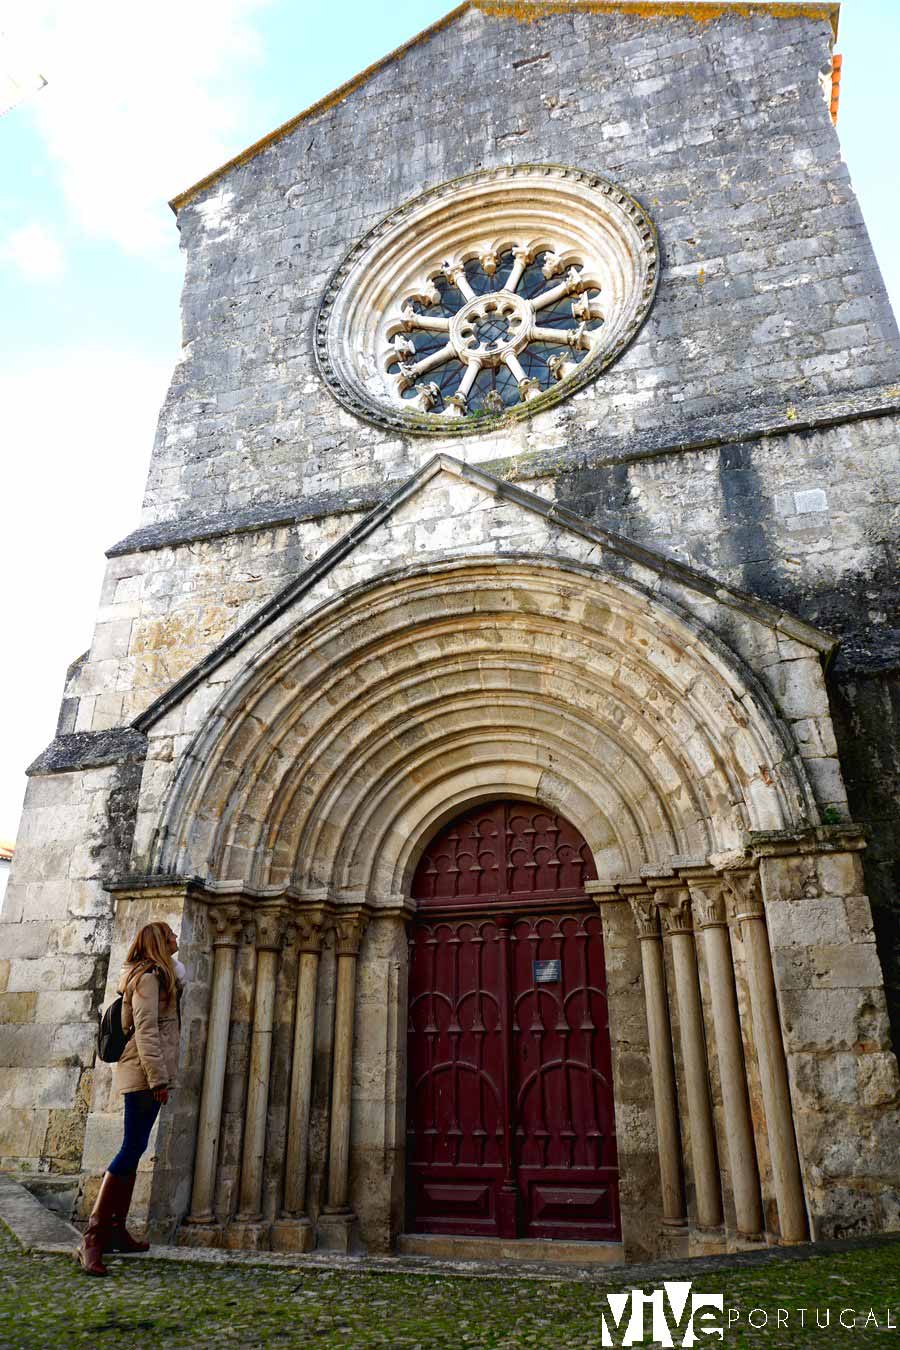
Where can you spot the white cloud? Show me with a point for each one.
(76, 439)
(140, 102)
(35, 251)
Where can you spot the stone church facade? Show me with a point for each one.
(498, 693)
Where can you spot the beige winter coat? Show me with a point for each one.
(150, 1057)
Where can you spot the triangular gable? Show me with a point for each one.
(741, 601)
(703, 11)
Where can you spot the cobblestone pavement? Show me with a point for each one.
(45, 1301)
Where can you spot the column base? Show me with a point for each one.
(200, 1234)
(337, 1232)
(293, 1235)
(706, 1241)
(251, 1235)
(673, 1241)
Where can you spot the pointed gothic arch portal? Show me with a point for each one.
(510, 1121)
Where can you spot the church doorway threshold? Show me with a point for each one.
(447, 1247)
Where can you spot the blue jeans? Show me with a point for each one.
(141, 1110)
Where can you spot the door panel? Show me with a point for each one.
(456, 1107)
(564, 1127)
(510, 1127)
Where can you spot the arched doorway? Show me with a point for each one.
(510, 1123)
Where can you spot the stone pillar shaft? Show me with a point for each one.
(348, 934)
(297, 1150)
(662, 1065)
(250, 1194)
(226, 924)
(773, 1077)
(675, 906)
(709, 908)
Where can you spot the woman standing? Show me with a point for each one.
(150, 986)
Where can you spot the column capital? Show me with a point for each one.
(708, 898)
(744, 895)
(305, 925)
(348, 931)
(269, 924)
(646, 915)
(674, 904)
(226, 923)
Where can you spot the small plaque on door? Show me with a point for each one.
(547, 972)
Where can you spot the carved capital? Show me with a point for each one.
(574, 281)
(675, 909)
(452, 270)
(426, 396)
(559, 366)
(225, 925)
(307, 929)
(553, 265)
(744, 895)
(348, 932)
(269, 929)
(708, 898)
(646, 916)
(403, 348)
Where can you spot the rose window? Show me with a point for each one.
(493, 332)
(487, 299)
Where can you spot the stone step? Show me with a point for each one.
(452, 1248)
(56, 1191)
(32, 1223)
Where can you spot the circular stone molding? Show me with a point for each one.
(486, 299)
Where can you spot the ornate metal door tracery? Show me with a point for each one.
(510, 1112)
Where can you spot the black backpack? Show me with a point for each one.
(112, 1037)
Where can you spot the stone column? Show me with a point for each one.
(675, 905)
(335, 1226)
(225, 922)
(248, 1230)
(747, 910)
(662, 1064)
(293, 1230)
(712, 922)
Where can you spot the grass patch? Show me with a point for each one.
(46, 1301)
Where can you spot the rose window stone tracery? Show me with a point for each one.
(494, 331)
(490, 297)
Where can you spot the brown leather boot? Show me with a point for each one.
(119, 1239)
(89, 1251)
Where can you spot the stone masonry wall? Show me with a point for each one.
(770, 317)
(769, 291)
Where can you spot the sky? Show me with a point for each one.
(139, 103)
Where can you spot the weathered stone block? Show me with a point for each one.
(834, 1019)
(799, 923)
(17, 1007)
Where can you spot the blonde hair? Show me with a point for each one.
(149, 950)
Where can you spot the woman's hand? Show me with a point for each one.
(161, 1095)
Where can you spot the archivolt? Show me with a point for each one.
(336, 754)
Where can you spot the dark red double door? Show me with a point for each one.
(510, 1128)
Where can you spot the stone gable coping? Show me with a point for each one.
(701, 11)
(741, 601)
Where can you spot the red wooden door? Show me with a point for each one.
(510, 1128)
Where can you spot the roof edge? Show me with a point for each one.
(702, 11)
